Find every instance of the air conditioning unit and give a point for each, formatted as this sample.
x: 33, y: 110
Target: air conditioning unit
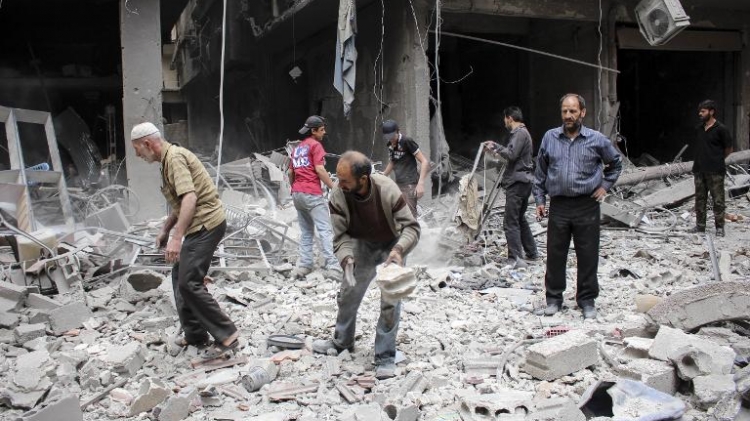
x: 660, y: 20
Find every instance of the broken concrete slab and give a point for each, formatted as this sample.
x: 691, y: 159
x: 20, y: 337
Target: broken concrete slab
x: 42, y: 302
x: 561, y: 355
x: 151, y: 393
x: 707, y: 303
x: 556, y: 409
x: 67, y: 408
x: 9, y: 320
x: 742, y: 380
x: 177, y: 407
x: 68, y: 317
x: 12, y: 296
x: 657, y: 374
x: 712, y: 388
x: 21, y: 399
x: 514, y: 402
x: 127, y: 359
x: 678, y: 192
x: 693, y: 355
x: 26, y: 332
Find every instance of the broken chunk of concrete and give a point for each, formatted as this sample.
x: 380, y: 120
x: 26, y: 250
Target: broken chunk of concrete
x: 514, y: 402
x: 12, y: 296
x: 742, y: 380
x: 556, y: 409
x: 693, y: 355
x: 126, y: 359
x: 145, y: 280
x: 24, y: 332
x: 19, y: 399
x: 707, y: 303
x: 177, y: 407
x: 561, y: 355
x: 9, y: 320
x: 42, y: 302
x: 151, y: 393
x: 710, y: 389
x: 654, y: 373
x: 68, y: 317
x: 67, y: 408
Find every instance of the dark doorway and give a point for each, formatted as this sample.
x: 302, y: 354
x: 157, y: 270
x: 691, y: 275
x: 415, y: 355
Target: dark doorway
x: 479, y: 80
x: 659, y: 92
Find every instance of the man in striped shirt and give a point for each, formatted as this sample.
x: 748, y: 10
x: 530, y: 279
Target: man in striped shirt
x: 576, y: 166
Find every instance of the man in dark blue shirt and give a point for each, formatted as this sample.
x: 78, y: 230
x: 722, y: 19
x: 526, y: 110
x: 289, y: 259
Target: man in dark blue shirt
x: 576, y: 166
x: 713, y: 145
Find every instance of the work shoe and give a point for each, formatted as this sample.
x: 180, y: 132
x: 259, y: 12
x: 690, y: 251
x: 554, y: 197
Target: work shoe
x: 385, y: 371
x: 720, y: 231
x: 328, y: 347
x: 552, y: 308
x: 334, y: 273
x: 697, y: 229
x: 301, y: 271
x: 589, y: 312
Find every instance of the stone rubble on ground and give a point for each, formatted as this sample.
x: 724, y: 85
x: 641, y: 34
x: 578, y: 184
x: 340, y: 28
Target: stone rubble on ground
x: 469, y: 341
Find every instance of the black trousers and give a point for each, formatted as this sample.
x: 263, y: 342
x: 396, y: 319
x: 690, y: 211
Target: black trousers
x: 199, y: 312
x: 576, y: 218
x: 517, y: 231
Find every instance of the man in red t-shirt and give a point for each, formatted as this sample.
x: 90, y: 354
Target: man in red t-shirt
x: 306, y: 172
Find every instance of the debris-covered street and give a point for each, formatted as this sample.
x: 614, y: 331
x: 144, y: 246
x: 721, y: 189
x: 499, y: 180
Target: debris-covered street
x: 471, y: 343
x: 360, y: 210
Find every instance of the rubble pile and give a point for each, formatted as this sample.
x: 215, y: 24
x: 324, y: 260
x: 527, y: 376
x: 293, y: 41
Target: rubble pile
x: 671, y: 339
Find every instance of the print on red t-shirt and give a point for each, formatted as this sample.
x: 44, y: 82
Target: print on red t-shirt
x: 305, y: 157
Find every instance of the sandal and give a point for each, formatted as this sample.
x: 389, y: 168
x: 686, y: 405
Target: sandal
x: 183, y: 343
x: 219, y: 350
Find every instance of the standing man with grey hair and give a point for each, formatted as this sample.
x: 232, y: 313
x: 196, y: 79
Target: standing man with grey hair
x: 306, y: 171
x: 372, y: 224
x: 713, y: 145
x: 517, y: 180
x: 576, y: 166
x: 197, y: 223
x: 403, y: 156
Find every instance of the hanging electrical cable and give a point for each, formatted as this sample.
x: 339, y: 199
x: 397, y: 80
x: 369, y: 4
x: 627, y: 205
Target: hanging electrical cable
x: 221, y: 91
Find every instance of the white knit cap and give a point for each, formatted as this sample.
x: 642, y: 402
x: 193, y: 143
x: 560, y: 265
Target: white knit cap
x: 142, y: 130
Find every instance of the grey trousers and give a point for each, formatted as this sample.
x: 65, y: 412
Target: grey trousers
x: 367, y: 255
x: 199, y: 312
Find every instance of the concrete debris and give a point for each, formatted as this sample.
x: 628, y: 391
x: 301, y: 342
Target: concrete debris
x: 69, y: 317
x: 561, y: 355
x: 694, y: 307
x: 513, y: 402
x: 67, y: 408
x: 152, y: 393
x: 692, y: 355
x: 470, y: 346
x: 630, y: 400
x: 177, y: 407
x: 709, y: 390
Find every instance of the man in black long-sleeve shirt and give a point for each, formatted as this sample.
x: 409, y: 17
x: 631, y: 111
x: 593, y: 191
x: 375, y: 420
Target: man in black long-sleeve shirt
x: 576, y: 166
x: 516, y: 181
x: 713, y: 145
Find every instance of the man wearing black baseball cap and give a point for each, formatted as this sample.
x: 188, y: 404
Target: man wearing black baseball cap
x: 404, y: 153
x: 306, y: 171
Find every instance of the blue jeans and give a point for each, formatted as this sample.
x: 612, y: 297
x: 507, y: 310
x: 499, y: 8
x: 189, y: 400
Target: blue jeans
x: 312, y: 214
x: 367, y: 255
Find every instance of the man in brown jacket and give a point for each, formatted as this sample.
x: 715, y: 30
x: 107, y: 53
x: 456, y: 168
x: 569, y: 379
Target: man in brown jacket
x: 372, y: 224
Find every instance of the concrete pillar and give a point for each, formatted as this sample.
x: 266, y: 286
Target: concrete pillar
x: 743, y: 111
x: 140, y: 38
